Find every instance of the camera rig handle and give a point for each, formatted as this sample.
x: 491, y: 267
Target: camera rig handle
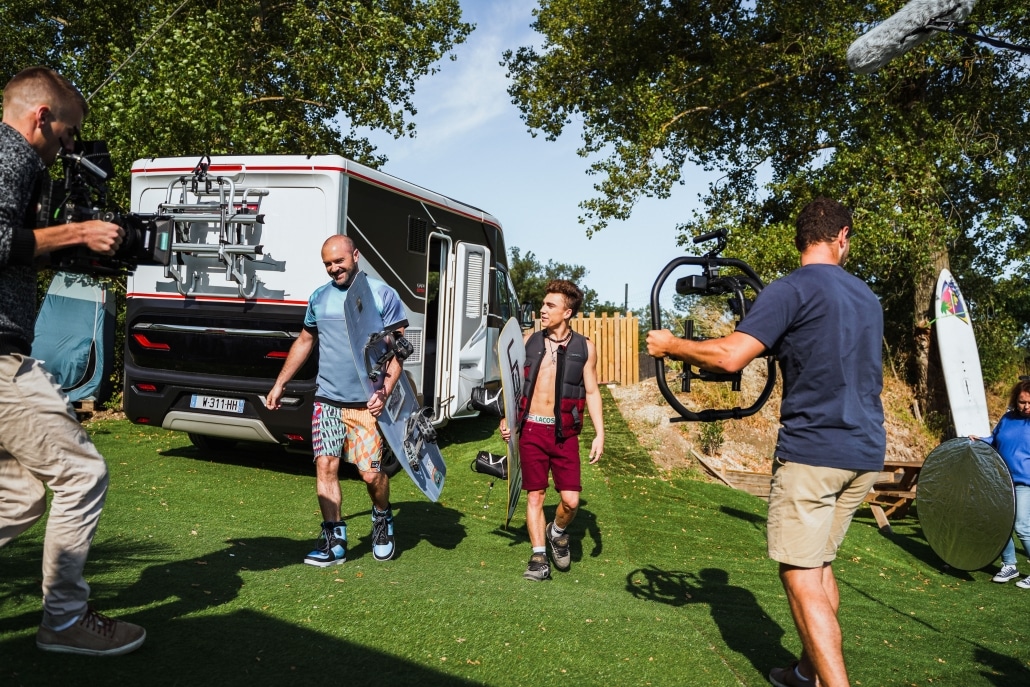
x: 711, y: 282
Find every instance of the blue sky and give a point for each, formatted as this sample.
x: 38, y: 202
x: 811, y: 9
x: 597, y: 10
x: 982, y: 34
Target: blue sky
x: 472, y: 146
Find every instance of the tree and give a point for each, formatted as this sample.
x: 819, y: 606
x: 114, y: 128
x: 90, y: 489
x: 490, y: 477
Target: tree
x: 929, y: 152
x: 244, y: 76
x: 195, y: 77
x: 530, y: 280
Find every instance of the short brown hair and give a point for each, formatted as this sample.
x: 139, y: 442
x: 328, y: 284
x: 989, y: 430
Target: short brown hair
x: 573, y: 296
x: 820, y: 221
x: 37, y: 85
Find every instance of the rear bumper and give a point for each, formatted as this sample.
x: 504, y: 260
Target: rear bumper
x: 169, y: 406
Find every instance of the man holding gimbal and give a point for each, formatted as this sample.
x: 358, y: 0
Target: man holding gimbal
x: 42, y: 444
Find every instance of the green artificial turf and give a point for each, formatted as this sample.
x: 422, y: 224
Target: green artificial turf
x: 669, y: 585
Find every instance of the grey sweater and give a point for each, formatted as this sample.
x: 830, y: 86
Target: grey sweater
x: 20, y: 171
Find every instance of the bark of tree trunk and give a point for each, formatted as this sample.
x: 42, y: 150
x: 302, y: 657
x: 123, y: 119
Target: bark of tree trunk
x: 929, y: 377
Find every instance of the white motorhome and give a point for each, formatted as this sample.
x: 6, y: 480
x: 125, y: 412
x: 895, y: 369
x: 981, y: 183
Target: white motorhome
x: 207, y: 335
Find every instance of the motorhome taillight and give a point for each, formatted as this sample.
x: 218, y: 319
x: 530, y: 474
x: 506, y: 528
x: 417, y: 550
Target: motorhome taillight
x: 143, y: 341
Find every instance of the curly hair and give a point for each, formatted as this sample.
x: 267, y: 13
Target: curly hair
x: 820, y: 221
x: 573, y: 296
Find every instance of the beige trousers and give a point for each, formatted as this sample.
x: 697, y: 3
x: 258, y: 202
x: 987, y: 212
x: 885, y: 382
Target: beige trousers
x: 43, y: 446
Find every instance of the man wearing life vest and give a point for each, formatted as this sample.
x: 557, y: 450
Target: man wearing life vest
x: 560, y: 379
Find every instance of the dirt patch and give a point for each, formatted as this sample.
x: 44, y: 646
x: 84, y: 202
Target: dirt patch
x: 748, y: 444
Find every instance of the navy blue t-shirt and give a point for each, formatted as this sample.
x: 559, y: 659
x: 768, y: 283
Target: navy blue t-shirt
x: 825, y: 328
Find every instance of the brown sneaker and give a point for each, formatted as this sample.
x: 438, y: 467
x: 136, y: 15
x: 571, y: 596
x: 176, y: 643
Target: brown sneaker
x: 93, y: 635
x: 786, y: 677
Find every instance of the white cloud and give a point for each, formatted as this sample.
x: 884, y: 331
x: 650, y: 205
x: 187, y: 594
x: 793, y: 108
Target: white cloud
x: 469, y: 95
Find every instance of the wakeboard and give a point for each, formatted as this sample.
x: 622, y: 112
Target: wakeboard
x: 511, y: 354
x: 404, y: 423
x: 960, y: 359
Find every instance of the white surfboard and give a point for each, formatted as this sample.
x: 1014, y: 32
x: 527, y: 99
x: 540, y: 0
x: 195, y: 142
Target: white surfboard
x: 960, y: 359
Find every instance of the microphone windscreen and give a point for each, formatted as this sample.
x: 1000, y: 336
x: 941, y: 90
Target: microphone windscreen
x: 902, y: 31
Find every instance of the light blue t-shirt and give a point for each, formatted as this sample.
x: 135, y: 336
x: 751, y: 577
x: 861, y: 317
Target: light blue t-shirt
x: 339, y: 377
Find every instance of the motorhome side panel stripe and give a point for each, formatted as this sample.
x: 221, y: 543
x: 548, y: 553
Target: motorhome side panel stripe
x: 210, y: 299
x: 479, y: 217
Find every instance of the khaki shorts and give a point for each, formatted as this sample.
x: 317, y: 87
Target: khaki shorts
x: 810, y: 509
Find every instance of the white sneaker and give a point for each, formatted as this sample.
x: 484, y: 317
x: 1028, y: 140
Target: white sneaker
x: 1007, y: 572
x: 1024, y: 583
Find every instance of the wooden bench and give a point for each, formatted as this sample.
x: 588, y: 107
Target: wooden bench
x: 891, y: 496
x: 894, y: 492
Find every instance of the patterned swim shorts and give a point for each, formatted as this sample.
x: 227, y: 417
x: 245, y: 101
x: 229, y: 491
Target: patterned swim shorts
x: 347, y: 433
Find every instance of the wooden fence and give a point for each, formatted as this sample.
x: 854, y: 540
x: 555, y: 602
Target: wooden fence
x: 615, y: 338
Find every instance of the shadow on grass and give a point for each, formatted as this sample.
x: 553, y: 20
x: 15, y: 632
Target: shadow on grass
x: 187, y: 641
x: 907, y: 535
x: 1001, y: 671
x: 276, y: 458
x: 245, y: 648
x: 250, y: 454
x: 756, y: 520
x: 476, y: 429
x: 744, y: 626
x: 214, y: 578
x: 583, y: 528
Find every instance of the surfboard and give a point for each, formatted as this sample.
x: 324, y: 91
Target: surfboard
x: 960, y: 359
x: 511, y: 354
x: 404, y: 423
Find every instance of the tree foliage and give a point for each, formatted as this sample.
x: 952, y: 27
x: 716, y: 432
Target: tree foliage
x: 243, y: 76
x: 530, y: 278
x: 194, y: 77
x: 930, y: 152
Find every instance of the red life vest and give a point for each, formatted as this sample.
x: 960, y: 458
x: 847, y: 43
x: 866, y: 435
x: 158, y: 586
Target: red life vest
x: 569, y: 391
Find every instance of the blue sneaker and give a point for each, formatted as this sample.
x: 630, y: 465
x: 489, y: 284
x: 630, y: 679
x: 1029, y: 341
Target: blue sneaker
x: 1007, y: 572
x: 331, y: 548
x: 383, y: 544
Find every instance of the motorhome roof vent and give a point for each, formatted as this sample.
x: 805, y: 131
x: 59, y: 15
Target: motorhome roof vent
x: 418, y: 234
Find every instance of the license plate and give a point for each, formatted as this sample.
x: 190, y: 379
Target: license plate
x: 229, y: 405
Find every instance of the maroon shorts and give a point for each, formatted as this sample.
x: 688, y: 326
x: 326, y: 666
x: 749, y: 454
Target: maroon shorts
x: 540, y: 453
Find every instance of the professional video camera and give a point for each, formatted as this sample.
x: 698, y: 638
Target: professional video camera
x: 82, y: 195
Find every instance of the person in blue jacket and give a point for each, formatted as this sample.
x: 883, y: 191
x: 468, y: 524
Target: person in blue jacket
x: 1011, y: 439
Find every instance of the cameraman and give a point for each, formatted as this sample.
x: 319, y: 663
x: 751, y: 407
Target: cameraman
x: 42, y: 444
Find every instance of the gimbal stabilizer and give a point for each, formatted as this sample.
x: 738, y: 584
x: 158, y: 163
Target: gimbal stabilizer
x: 711, y: 282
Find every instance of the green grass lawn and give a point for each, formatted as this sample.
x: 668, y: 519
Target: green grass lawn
x: 669, y: 585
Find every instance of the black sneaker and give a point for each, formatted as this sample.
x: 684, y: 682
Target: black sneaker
x: 331, y: 548
x: 538, y: 569
x: 383, y: 543
x: 559, y: 546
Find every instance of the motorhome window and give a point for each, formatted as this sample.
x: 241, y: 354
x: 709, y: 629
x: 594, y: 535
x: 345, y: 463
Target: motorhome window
x: 418, y: 234
x: 507, y: 301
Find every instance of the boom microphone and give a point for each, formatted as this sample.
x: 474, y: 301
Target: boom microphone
x: 903, y: 30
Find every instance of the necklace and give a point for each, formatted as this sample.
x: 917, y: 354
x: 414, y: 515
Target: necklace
x: 558, y: 343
